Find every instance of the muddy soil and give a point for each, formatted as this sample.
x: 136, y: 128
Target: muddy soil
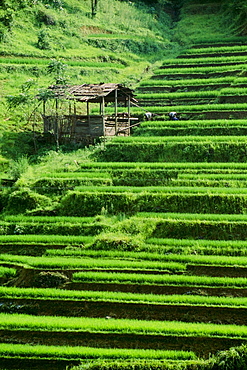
x: 123, y: 310
x: 202, y: 346
x: 158, y: 289
x: 27, y: 278
x: 36, y: 364
x: 219, y: 271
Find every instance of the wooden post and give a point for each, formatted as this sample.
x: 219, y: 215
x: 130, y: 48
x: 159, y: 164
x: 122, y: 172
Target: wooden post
x: 56, y: 128
x: 88, y: 115
x: 44, y: 119
x: 116, y: 122
x: 103, y: 115
x: 128, y: 131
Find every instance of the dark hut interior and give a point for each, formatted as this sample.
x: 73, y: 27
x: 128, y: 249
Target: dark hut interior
x: 70, y: 125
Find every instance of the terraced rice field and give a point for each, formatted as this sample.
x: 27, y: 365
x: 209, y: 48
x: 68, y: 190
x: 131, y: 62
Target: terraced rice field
x: 146, y: 259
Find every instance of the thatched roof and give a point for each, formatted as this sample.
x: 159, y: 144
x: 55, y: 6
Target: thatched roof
x: 92, y: 92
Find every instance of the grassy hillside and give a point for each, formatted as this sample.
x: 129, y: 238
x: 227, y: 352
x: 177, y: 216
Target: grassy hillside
x: 115, y: 45
x: 118, y: 43
x: 131, y: 254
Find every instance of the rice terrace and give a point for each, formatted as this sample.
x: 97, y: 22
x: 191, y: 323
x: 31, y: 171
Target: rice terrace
x: 123, y: 156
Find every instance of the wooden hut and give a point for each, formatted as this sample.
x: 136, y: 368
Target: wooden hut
x: 72, y: 126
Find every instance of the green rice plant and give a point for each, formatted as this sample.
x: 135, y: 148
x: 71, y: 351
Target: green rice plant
x: 164, y: 279
x: 200, y: 123
x: 199, y: 247
x: 105, y: 296
x: 172, y: 201
x: 233, y: 91
x: 175, y: 189
x: 221, y: 230
x: 6, y: 272
x: 188, y: 130
x: 75, y: 175
x: 47, y: 219
x: 90, y: 263
x: 179, y: 95
x: 192, y: 81
x: 239, y: 81
x: 92, y: 203
x: 217, y: 176
x: 210, y: 183
x: 234, y: 107
x: 59, y: 228
x: 157, y: 139
x: 44, y: 323
x: 193, y: 216
x: 45, y: 62
x: 205, y: 70
x: 217, y: 49
x: 175, y: 149
x: 156, y: 248
x: 60, y: 186
x: 45, y: 239
x: 20, y: 350
x: 213, y: 59
x: 167, y: 165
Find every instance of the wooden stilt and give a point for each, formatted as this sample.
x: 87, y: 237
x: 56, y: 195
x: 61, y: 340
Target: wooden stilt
x: 116, y: 121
